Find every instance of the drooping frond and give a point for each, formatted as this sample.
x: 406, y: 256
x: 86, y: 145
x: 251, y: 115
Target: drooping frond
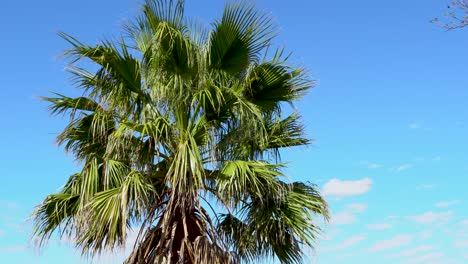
x: 288, y: 132
x: 111, y: 211
x: 276, y: 224
x: 239, y: 180
x: 87, y: 135
x: 63, y: 104
x: 56, y: 212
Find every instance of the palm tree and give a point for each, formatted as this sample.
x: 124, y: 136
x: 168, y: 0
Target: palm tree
x: 178, y: 132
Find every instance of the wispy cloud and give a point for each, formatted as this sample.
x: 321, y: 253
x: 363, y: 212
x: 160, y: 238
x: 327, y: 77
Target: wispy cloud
x: 394, y: 242
x: 431, y: 217
x: 382, y: 226
x: 446, y: 203
x: 348, y: 216
x: 414, y: 251
x: 339, y: 188
x: 357, y: 207
x: 343, y: 218
x: 349, y: 242
x: 331, y: 234
x: 424, y: 235
x: 427, y: 257
x: 370, y: 165
x: 461, y: 244
x: 403, y: 167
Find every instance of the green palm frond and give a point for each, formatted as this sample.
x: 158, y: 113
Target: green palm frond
x: 116, y: 61
x: 271, y: 83
x: 166, y: 11
x: 239, y: 37
x: 56, y: 212
x: 288, y: 132
x: 63, y: 104
x: 111, y: 211
x: 239, y: 180
x: 276, y: 224
x: 87, y: 135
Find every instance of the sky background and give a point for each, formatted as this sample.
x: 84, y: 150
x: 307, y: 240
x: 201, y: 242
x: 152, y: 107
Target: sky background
x: 389, y: 119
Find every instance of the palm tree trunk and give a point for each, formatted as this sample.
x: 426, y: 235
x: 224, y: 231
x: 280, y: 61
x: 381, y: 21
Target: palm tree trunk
x: 193, y: 231
x: 179, y: 225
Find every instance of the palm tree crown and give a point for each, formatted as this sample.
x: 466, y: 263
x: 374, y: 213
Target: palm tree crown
x: 179, y: 131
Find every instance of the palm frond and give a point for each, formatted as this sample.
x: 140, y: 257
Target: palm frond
x: 239, y: 37
x: 288, y: 132
x: 111, y: 211
x: 271, y: 83
x: 240, y: 180
x: 63, y: 104
x: 276, y: 224
x: 56, y: 212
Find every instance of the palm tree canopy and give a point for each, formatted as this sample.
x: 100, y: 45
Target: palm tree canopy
x: 179, y: 131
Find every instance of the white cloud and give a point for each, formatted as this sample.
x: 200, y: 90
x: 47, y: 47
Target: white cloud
x: 382, y: 226
x: 413, y: 251
x: 425, y: 235
x: 357, y: 207
x: 339, y: 188
x: 351, y: 241
x: 431, y: 217
x: 343, y: 218
x: 330, y: 234
x: 394, y: 242
x: 371, y: 165
x: 446, y: 203
x: 348, y: 215
x: 426, y: 257
x: 461, y: 243
x: 403, y: 167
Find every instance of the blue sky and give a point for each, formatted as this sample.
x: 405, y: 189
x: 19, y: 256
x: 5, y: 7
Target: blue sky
x: 388, y: 115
